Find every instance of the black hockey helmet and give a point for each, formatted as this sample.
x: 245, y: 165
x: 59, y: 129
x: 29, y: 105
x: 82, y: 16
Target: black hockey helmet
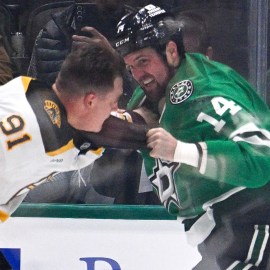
x: 146, y: 28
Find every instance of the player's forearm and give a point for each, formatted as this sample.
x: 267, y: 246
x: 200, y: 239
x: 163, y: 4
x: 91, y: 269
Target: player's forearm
x: 220, y: 160
x: 234, y: 163
x: 116, y: 133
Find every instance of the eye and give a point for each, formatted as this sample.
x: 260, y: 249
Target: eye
x: 142, y: 62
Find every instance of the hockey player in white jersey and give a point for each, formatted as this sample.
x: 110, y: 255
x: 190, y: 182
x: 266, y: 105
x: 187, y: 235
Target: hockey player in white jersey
x: 39, y: 128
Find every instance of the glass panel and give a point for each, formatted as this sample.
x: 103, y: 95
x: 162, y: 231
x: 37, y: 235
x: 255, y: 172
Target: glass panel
x: 238, y: 37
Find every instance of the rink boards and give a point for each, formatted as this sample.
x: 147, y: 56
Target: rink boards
x: 73, y: 237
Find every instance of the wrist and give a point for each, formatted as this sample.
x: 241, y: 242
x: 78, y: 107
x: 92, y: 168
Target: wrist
x: 186, y: 153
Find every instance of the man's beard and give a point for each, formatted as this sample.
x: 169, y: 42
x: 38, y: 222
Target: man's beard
x: 159, y: 92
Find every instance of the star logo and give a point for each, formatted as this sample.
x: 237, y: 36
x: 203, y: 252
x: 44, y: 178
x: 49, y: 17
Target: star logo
x: 163, y: 182
x: 181, y: 91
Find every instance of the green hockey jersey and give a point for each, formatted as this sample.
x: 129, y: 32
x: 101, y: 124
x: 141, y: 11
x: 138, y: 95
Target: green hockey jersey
x: 209, y: 104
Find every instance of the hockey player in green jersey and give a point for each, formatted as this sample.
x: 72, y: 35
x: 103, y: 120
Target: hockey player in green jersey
x: 209, y: 157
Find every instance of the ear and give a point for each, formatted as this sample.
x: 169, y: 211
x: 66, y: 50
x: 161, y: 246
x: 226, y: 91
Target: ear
x: 90, y: 100
x: 209, y: 52
x: 172, y: 54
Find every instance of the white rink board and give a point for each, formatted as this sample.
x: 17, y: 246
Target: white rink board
x: 59, y: 243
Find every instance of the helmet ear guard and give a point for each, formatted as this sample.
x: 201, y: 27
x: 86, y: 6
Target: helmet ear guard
x: 146, y: 28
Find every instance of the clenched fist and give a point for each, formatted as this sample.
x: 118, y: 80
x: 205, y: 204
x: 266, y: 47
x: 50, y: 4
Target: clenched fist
x: 162, y: 143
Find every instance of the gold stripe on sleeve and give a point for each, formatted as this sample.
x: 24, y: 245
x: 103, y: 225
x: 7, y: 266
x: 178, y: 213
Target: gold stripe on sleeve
x: 3, y: 216
x: 26, y: 81
x: 62, y: 149
x: 70, y: 145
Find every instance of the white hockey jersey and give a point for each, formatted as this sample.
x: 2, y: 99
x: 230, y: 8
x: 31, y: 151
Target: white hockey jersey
x: 35, y: 140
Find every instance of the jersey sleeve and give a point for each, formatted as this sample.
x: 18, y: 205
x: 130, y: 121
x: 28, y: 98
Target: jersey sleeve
x: 234, y: 143
x: 123, y: 131
x: 7, y: 209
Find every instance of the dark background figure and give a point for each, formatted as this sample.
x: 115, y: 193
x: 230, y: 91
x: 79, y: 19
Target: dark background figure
x: 6, y: 72
x: 54, y: 41
x: 196, y: 36
x: 8, y: 68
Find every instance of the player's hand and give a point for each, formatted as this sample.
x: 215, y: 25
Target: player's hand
x: 96, y: 36
x: 162, y: 143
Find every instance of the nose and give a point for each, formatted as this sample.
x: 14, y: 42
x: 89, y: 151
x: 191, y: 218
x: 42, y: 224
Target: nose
x: 137, y: 73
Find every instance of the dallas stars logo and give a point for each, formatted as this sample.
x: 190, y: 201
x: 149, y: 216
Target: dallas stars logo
x: 162, y: 180
x: 181, y: 91
x: 53, y: 111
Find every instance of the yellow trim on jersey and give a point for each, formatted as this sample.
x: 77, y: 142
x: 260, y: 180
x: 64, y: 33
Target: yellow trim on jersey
x: 26, y: 81
x: 98, y: 151
x: 62, y: 149
x: 3, y: 216
x: 70, y: 145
